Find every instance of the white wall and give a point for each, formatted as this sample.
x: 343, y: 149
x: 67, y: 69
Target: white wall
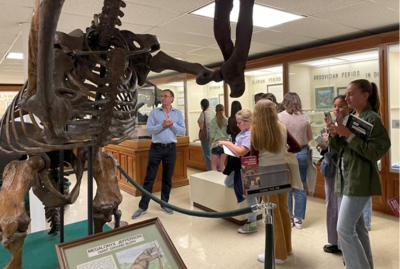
x: 305, y: 79
x: 299, y: 82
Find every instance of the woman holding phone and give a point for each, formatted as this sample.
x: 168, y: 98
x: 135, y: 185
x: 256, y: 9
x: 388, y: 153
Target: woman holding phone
x: 358, y: 175
x: 341, y: 110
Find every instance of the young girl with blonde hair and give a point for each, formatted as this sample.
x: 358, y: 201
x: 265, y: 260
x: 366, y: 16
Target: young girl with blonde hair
x: 232, y: 170
x: 270, y: 138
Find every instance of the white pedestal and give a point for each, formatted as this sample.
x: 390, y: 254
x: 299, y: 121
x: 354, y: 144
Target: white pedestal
x: 209, y: 193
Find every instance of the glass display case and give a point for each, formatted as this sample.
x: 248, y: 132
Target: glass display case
x: 5, y: 100
x: 261, y: 80
x: 213, y: 91
x: 394, y: 106
x: 319, y: 81
x: 149, y: 98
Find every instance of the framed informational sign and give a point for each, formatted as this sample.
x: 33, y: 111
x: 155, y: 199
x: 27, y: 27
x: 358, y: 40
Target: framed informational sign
x: 213, y: 102
x: 341, y: 90
x: 144, y: 244
x: 324, y: 97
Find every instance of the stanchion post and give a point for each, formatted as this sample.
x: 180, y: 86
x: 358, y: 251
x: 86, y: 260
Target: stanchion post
x: 269, y: 255
x: 90, y: 191
x: 61, y: 182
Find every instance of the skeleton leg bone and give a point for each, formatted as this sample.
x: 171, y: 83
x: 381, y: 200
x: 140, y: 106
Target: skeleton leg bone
x: 233, y: 68
x: 108, y: 196
x: 14, y: 221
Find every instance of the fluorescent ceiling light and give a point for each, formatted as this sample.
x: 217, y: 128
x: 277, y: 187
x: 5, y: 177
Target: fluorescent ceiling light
x: 276, y: 69
x: 175, y: 84
x: 324, y: 62
x: 264, y: 71
x: 257, y: 73
x: 394, y: 48
x: 263, y: 16
x: 361, y: 56
x: 15, y: 55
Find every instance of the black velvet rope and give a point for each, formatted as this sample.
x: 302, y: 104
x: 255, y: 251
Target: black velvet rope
x: 226, y: 214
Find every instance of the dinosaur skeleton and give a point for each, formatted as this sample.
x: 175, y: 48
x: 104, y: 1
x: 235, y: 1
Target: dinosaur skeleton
x: 82, y: 91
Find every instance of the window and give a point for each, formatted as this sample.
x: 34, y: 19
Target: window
x: 212, y: 91
x: 260, y: 81
x: 149, y: 98
x: 394, y: 115
x: 319, y: 81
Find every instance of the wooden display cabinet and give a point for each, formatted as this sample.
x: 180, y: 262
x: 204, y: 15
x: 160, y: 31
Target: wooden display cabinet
x: 132, y: 156
x: 196, y: 157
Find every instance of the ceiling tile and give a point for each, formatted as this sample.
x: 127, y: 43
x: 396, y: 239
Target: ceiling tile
x: 177, y: 5
x: 7, y: 39
x: 280, y: 39
x: 308, y: 7
x: 83, y: 8
x: 17, y: 14
x: 191, y: 24
x: 23, y: 3
x: 393, y: 4
x: 177, y: 48
x: 373, y: 16
x: 165, y: 35
x: 70, y: 22
x: 148, y: 16
x: 210, y: 52
x: 314, y: 28
x: 9, y: 28
x: 260, y: 48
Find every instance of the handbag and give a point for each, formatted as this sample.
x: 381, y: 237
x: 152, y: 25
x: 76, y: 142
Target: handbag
x: 203, y: 132
x: 294, y: 171
x: 328, y: 165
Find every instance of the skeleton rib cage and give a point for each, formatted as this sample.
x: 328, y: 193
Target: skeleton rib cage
x: 91, y: 99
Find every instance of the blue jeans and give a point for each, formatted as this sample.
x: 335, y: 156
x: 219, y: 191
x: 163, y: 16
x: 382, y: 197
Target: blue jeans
x: 367, y: 213
x: 353, y: 235
x: 300, y: 196
x: 205, y: 146
x: 251, y: 217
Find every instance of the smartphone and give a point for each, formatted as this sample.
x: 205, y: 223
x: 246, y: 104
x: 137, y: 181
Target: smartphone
x: 328, y: 116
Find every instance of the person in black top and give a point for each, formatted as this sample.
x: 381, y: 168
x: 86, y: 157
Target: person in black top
x: 232, y: 128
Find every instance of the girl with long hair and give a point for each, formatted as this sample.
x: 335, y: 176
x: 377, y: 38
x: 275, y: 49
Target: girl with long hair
x: 270, y: 138
x: 298, y: 124
x: 233, y: 169
x: 233, y: 129
x: 358, y: 175
x: 341, y: 110
x: 205, y: 117
x: 218, y: 133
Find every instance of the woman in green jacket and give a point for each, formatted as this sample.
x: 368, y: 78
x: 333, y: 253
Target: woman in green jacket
x: 358, y: 176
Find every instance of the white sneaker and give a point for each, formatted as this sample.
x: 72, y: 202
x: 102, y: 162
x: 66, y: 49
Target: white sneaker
x: 261, y: 258
x: 297, y: 223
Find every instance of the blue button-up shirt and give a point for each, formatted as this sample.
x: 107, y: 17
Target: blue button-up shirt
x: 162, y: 134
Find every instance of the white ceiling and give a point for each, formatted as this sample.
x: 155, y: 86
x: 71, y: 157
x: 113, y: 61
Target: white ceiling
x: 190, y: 37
